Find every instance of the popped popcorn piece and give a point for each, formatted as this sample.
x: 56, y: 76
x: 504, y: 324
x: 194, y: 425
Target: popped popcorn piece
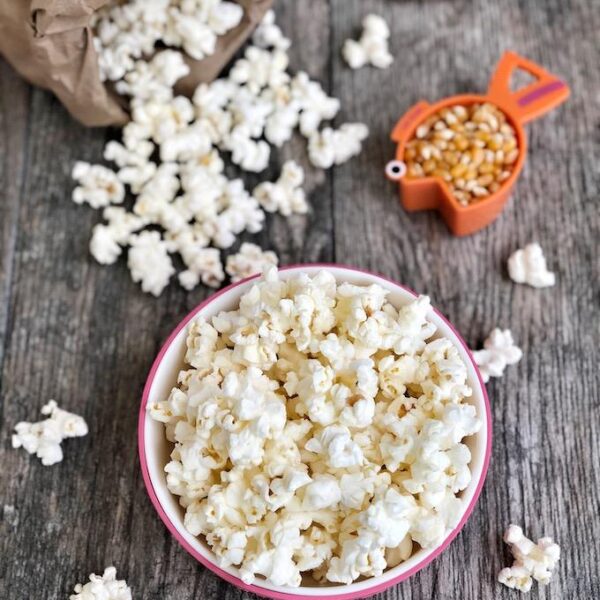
x: 286, y: 195
x: 334, y: 147
x: 129, y: 156
x: 532, y: 561
x: 315, y: 104
x: 269, y: 35
x: 149, y: 261
x: 44, y: 437
x: 529, y: 266
x: 206, y: 266
x: 98, y: 186
x: 372, y: 47
x: 251, y: 259
x: 246, y: 152
x: 287, y: 454
x: 102, y: 587
x: 261, y: 68
x: 499, y: 351
x: 106, y: 242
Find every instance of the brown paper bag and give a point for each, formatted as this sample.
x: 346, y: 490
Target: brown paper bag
x: 49, y: 43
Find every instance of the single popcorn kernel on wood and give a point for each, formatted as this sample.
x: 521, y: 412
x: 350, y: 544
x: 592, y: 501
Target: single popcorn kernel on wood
x: 461, y: 144
x: 318, y: 429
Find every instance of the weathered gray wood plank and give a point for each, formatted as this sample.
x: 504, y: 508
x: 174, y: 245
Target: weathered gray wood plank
x: 86, y: 335
x: 14, y: 95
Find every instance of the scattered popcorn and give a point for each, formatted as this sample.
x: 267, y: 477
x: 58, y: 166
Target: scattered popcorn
x: 532, y: 561
x: 149, y: 261
x: 106, y: 242
x: 44, y: 437
x: 170, y: 156
x: 98, y: 186
x: 529, y: 266
x: 372, y: 47
x: 269, y: 35
x: 334, y: 147
x: 251, y: 259
x: 206, y: 266
x: 315, y: 105
x: 318, y: 429
x: 499, y: 351
x: 105, y: 587
x: 286, y: 195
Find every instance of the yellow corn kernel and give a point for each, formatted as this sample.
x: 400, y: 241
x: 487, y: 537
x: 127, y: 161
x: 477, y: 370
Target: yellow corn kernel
x: 410, y: 153
x: 414, y: 170
x: 445, y: 175
x: 477, y: 156
x: 460, y: 112
x: 429, y: 166
x: 496, y: 142
x: 458, y: 170
x: 485, y: 180
x: 479, y: 191
x: 461, y: 142
x: 451, y: 158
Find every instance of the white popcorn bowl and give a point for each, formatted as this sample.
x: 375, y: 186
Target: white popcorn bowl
x: 154, y: 448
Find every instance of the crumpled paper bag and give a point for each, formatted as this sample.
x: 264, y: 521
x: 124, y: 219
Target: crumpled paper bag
x: 49, y: 42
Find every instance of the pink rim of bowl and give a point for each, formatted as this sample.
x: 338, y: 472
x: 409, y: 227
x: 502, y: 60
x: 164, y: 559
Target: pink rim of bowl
x: 160, y: 496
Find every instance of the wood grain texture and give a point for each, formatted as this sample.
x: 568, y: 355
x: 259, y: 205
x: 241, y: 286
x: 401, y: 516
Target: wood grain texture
x: 85, y: 335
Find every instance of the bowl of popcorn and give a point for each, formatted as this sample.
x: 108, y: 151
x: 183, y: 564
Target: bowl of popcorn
x: 462, y: 155
x: 315, y: 431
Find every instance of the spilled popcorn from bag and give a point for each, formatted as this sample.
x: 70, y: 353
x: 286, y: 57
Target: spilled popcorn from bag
x: 171, y: 155
x: 318, y: 430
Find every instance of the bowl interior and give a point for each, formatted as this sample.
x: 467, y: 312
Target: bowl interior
x: 155, y: 449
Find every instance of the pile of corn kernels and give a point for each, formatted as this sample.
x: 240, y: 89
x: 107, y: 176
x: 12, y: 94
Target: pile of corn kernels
x: 472, y: 148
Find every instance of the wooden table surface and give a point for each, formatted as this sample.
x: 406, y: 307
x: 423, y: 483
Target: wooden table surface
x: 85, y: 335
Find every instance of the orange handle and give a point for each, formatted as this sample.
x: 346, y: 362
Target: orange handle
x: 410, y: 118
x: 532, y: 101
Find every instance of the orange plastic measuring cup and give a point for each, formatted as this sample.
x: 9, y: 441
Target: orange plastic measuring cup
x: 520, y: 107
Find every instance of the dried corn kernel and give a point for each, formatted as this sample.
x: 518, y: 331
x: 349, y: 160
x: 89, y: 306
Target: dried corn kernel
x: 472, y: 148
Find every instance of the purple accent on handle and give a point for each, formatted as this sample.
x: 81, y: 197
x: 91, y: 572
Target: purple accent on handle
x: 543, y: 91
